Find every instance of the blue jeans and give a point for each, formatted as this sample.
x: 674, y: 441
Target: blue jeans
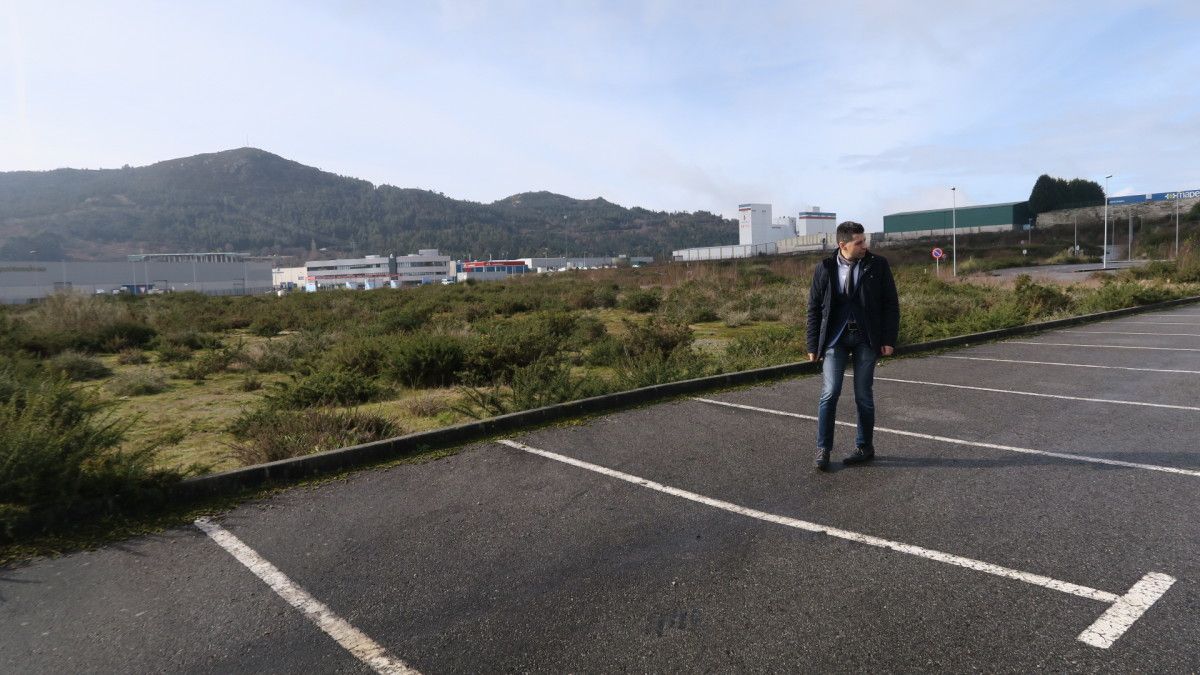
x: 834, y: 371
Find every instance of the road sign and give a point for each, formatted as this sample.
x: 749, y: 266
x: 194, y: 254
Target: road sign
x: 938, y: 253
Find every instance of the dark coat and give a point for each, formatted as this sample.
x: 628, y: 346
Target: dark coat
x: 876, y: 291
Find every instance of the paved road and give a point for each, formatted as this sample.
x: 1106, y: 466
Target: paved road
x: 1073, y: 272
x: 1051, y: 491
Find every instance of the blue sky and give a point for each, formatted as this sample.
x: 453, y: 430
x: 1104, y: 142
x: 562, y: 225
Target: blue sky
x: 864, y: 108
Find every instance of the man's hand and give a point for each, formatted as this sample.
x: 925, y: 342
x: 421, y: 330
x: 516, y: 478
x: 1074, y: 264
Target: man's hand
x: 812, y: 357
x: 886, y: 350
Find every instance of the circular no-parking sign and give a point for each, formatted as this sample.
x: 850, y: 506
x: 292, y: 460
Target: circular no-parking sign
x: 938, y: 253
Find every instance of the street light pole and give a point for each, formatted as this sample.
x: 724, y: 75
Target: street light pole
x: 954, y: 230
x: 1176, y: 225
x: 1129, y: 245
x: 1104, y: 252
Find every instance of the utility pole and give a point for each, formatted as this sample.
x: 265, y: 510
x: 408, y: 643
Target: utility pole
x: 1104, y: 251
x: 954, y: 230
x: 1176, y: 225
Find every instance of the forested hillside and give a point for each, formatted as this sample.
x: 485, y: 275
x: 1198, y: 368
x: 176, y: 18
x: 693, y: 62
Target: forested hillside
x: 251, y: 200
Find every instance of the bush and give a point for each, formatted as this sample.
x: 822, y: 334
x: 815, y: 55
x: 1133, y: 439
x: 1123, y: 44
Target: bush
x: 251, y: 383
x: 59, y: 461
x: 773, y: 346
x: 504, y: 345
x: 167, y: 353
x: 1038, y: 300
x: 650, y: 368
x: 545, y: 382
x: 405, y: 319
x: 366, y: 356
x: 74, y: 321
x: 213, y: 361
x: 326, y: 387
x: 268, y: 434
x: 266, y: 327
x: 139, y: 383
x: 641, y: 300
x: 78, y: 367
x: 426, y: 360
x: 657, y: 337
x: 691, y: 302
x: 1120, y: 294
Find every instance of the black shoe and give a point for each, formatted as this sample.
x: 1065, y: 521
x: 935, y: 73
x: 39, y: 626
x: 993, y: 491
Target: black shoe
x: 863, y: 453
x: 822, y: 459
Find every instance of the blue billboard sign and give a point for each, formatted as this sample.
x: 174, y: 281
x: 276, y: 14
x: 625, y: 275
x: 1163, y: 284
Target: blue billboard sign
x: 1154, y: 197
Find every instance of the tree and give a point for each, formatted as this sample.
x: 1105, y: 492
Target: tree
x: 1056, y: 193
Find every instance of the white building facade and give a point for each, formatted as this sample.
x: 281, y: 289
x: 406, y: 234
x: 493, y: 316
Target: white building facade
x: 427, y: 266
x: 816, y: 221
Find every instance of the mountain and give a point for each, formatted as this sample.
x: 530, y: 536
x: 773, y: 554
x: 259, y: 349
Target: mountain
x: 251, y: 200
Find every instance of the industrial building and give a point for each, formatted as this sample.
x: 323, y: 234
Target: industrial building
x: 208, y: 273
x: 427, y: 266
x: 966, y: 219
x: 760, y: 234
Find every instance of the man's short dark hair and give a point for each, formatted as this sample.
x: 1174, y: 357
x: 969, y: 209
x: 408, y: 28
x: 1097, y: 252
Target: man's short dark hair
x: 847, y: 230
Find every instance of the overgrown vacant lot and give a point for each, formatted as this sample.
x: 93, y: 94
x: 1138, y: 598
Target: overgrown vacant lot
x: 105, y: 398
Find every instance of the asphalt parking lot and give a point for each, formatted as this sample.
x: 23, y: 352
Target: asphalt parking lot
x: 1033, y: 505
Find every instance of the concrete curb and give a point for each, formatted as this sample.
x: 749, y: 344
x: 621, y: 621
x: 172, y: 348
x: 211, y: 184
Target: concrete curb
x: 333, y: 461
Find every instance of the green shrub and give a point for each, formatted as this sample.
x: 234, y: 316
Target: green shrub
x: 773, y: 346
x: 17, y: 373
x: 545, y: 382
x: 168, y: 353
x: 604, y: 296
x: 1120, y: 294
x: 326, y: 387
x: 267, y: 434
x: 655, y: 336
x: 59, y: 461
x: 405, y: 319
x: 266, y: 326
x: 606, y: 351
x: 641, y: 300
x: 251, y: 382
x: 426, y: 360
x: 365, y: 355
x: 650, y: 368
x: 138, y: 383
x: 504, y: 345
x: 1039, y: 300
x: 73, y: 321
x: 214, y: 361
x: 78, y: 367
x: 691, y: 302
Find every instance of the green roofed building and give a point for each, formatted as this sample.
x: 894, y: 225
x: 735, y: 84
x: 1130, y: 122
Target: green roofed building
x: 969, y: 220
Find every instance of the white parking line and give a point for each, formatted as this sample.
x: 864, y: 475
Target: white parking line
x: 1117, y: 332
x: 362, y: 647
x: 1064, y: 344
x: 961, y: 441
x: 1073, y: 365
x: 1125, y: 610
x: 1032, y: 393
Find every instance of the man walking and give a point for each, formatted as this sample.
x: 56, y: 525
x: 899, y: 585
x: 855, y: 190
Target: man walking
x: 853, y: 312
